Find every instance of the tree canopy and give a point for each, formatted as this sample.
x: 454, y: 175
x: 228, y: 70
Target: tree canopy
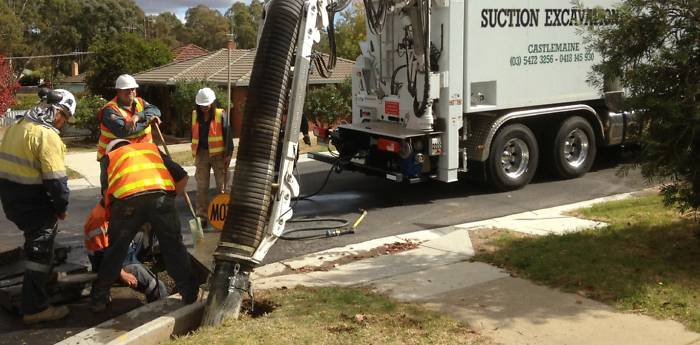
x: 125, y: 53
x: 653, y: 49
x: 207, y: 28
x: 246, y: 22
x: 45, y: 27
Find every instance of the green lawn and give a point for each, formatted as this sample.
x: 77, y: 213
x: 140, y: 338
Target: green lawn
x: 645, y: 262
x: 334, y: 316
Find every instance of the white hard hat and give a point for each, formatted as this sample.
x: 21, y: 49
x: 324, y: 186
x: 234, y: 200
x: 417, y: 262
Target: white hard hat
x: 205, y: 96
x: 67, y: 102
x: 126, y: 81
x: 114, y: 143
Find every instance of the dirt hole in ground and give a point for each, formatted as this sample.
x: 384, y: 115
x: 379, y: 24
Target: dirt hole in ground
x: 261, y: 308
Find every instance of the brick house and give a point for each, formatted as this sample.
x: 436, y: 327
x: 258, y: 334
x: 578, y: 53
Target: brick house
x: 158, y: 83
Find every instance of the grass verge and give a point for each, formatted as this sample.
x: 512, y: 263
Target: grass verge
x: 72, y: 174
x: 183, y: 158
x: 645, y: 261
x: 306, y: 315
x: 81, y: 145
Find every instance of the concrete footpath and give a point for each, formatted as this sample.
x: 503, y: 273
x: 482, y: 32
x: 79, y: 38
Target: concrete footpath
x: 437, y: 274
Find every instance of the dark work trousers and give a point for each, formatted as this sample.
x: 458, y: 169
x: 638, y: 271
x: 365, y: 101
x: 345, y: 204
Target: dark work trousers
x: 127, y: 217
x: 38, y: 248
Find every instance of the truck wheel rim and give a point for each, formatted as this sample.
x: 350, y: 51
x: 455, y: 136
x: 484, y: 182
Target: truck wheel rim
x: 576, y: 148
x: 515, y: 159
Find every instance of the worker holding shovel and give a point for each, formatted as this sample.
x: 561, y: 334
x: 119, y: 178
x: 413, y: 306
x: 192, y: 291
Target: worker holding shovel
x: 139, y: 185
x: 212, y: 148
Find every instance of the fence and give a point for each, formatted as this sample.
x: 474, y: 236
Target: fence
x: 68, y: 130
x: 10, y: 117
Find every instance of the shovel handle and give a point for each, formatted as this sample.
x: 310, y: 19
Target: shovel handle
x: 167, y: 152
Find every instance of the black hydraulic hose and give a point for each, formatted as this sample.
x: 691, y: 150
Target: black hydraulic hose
x: 248, y: 207
x: 393, y: 79
x: 318, y: 231
x: 419, y: 109
x: 335, y: 164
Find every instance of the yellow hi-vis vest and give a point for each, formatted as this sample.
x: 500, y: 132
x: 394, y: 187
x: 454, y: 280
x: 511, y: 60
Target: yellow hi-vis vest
x: 30, y: 153
x: 106, y: 136
x: 216, y: 136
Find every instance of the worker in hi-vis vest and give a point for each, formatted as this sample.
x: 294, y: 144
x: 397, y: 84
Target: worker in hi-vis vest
x: 126, y: 116
x: 34, y: 193
x: 134, y: 274
x: 210, y: 130
x: 139, y: 185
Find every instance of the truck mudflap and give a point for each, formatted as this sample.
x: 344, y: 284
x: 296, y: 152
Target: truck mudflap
x: 358, y: 166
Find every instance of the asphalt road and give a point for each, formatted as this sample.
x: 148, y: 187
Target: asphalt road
x: 392, y: 209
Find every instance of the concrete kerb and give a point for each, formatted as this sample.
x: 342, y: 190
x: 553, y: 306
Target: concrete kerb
x: 418, y: 274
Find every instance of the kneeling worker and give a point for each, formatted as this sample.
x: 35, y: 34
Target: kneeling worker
x: 134, y: 274
x: 139, y: 185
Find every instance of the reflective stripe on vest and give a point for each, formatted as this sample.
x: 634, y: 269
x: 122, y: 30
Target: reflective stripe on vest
x: 95, y: 230
x: 136, y: 168
x: 106, y: 136
x: 216, y: 136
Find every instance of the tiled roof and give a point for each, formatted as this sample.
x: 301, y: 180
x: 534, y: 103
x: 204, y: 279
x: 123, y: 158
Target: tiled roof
x: 189, y: 51
x: 76, y: 79
x: 213, y: 66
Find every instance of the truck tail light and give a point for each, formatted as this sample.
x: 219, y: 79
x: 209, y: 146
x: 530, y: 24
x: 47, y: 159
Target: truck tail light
x: 323, y: 136
x: 320, y: 132
x: 388, y: 145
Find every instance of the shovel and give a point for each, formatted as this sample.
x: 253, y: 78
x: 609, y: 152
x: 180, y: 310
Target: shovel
x: 195, y: 224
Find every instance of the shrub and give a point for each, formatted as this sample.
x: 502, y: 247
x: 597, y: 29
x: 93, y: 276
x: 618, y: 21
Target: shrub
x: 86, y: 114
x: 326, y: 105
x: 186, y: 91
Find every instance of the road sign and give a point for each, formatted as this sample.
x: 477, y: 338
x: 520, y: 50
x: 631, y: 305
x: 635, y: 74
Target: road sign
x: 218, y: 209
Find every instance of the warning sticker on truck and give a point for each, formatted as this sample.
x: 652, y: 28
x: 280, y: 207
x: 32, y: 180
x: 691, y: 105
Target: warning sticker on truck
x: 391, y: 108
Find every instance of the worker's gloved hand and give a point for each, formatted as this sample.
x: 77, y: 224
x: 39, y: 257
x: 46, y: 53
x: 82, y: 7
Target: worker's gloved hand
x: 307, y: 140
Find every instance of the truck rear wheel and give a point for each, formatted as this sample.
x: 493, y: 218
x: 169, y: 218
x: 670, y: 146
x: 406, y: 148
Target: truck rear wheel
x: 572, y: 149
x: 513, y: 158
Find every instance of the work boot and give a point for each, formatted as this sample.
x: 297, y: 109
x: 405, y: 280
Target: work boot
x: 50, y: 314
x: 100, y: 297
x: 193, y: 298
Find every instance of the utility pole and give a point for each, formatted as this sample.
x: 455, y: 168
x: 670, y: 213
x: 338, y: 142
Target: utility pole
x: 228, y: 108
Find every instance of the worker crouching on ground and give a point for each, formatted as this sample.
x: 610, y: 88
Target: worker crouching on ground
x: 212, y: 148
x: 34, y: 194
x: 126, y: 116
x: 133, y: 273
x: 139, y: 185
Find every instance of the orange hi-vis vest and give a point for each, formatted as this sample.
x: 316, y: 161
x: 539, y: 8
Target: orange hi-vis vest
x: 95, y: 230
x: 216, y: 134
x: 136, y: 168
x: 106, y: 136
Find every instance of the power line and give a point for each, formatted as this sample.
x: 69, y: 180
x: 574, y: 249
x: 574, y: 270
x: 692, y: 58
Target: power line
x: 46, y: 56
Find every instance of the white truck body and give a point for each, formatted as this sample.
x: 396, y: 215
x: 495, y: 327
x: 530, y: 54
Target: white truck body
x: 499, y: 63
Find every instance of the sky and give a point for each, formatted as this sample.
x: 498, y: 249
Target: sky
x: 179, y: 7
